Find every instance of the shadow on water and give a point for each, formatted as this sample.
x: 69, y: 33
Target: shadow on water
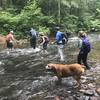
x: 23, y: 75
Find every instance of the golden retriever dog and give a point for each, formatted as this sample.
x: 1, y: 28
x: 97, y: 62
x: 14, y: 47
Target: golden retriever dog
x: 64, y: 70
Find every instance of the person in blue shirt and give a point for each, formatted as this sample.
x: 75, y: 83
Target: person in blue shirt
x: 84, y: 49
x: 60, y: 45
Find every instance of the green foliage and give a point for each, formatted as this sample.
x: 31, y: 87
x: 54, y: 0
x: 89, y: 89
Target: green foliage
x: 45, y: 30
x: 6, y: 22
x: 30, y: 16
x: 95, y: 23
x: 70, y: 23
x: 74, y: 15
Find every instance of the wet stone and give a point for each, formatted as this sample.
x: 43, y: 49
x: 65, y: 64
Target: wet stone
x: 91, y: 78
x: 82, y: 98
x: 87, y: 92
x: 4, y: 98
x: 49, y: 97
x: 91, y: 86
x: 27, y: 93
x: 95, y: 98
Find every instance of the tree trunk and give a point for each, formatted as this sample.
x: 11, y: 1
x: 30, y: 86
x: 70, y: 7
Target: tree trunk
x: 59, y: 11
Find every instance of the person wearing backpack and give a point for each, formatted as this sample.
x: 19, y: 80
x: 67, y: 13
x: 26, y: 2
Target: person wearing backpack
x: 33, y: 38
x: 85, y: 48
x: 44, y: 42
x: 60, y: 44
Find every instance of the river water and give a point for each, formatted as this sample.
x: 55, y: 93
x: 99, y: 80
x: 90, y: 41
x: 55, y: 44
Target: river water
x: 23, y: 75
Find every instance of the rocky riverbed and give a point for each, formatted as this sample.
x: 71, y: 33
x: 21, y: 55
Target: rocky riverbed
x: 23, y: 75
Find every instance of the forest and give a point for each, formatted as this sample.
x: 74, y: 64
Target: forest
x: 24, y: 69
x: 44, y: 15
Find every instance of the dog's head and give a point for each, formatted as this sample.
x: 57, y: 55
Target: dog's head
x: 50, y: 67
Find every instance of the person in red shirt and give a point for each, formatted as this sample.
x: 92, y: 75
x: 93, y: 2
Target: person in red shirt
x: 10, y: 40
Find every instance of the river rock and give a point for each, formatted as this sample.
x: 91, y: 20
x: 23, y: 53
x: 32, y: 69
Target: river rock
x: 87, y: 92
x: 91, y: 86
x: 94, y: 98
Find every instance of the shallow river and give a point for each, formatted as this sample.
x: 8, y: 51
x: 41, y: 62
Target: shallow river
x: 23, y: 75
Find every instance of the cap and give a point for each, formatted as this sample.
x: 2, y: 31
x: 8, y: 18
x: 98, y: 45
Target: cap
x: 11, y: 32
x: 41, y: 33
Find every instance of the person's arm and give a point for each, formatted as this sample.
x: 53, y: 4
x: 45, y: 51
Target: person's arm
x: 79, y: 43
x: 56, y: 39
x: 12, y: 37
x: 43, y: 40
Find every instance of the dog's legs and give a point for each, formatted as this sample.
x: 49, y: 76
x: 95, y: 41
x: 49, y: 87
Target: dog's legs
x: 59, y: 74
x: 58, y: 82
x: 59, y: 79
x: 77, y: 78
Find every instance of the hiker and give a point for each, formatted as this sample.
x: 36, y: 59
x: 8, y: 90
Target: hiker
x: 33, y: 38
x: 10, y: 40
x: 60, y: 45
x: 85, y: 48
x: 44, y: 42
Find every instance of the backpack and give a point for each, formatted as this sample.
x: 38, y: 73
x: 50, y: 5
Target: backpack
x: 46, y: 39
x: 64, y: 39
x: 87, y: 46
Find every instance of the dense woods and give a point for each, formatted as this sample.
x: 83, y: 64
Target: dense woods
x: 43, y: 15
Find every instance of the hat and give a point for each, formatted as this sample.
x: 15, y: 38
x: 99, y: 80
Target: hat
x: 11, y: 32
x: 57, y: 28
x: 41, y: 33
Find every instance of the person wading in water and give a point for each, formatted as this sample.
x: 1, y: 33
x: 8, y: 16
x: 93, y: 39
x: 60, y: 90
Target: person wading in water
x: 85, y: 48
x: 44, y: 42
x: 60, y: 45
x: 33, y: 38
x: 10, y: 40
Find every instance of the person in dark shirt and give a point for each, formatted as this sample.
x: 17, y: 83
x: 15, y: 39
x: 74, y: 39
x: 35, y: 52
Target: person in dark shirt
x: 44, y: 42
x: 33, y: 38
